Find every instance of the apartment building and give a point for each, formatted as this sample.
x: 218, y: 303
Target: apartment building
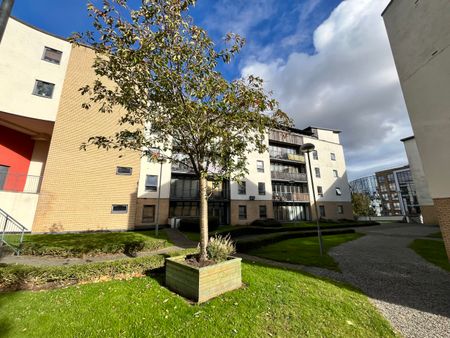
x: 49, y: 185
x: 419, y: 34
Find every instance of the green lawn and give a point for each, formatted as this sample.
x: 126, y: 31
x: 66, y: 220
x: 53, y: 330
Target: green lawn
x: 432, y: 251
x: 274, y: 303
x: 305, y: 251
x: 66, y: 245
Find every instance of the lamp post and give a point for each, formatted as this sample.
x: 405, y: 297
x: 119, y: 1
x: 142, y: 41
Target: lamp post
x: 5, y: 13
x: 307, y: 148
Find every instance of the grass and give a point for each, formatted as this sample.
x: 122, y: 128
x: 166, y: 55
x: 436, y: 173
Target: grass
x: 436, y: 235
x: 432, y: 251
x: 75, y: 245
x: 275, y: 302
x: 305, y: 251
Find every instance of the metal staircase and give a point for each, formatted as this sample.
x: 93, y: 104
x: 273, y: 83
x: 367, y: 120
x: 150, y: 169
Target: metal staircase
x: 11, y: 232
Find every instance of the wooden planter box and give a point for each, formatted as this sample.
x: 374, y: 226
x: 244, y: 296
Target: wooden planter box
x: 201, y: 284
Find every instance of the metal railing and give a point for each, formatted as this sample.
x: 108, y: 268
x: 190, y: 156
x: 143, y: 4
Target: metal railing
x: 285, y: 136
x: 286, y: 156
x: 20, y: 183
x: 296, y: 177
x: 11, y: 233
x: 290, y: 196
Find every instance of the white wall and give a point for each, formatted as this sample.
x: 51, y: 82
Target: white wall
x: 21, y: 65
x: 419, y: 33
x: 20, y: 206
x: 418, y: 175
x: 153, y: 168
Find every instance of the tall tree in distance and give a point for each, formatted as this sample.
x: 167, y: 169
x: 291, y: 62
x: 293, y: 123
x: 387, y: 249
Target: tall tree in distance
x: 166, y: 80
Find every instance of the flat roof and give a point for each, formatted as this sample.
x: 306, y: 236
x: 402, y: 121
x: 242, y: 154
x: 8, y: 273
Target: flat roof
x: 337, y: 131
x: 37, y: 28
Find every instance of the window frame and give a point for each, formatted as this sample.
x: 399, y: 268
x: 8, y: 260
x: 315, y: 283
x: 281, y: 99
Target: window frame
x: 338, y: 191
x: 261, y: 192
x: 335, y: 173
x: 242, y: 188
x: 333, y: 156
x: 340, y: 209
x: 242, y: 216
x: 154, y: 213
x: 35, y: 89
x: 118, y: 168
x: 119, y: 211
x: 319, y: 191
x: 258, y: 168
x: 55, y: 62
x: 322, y: 212
x: 315, y: 154
x: 155, y: 186
x: 317, y: 172
x: 263, y: 207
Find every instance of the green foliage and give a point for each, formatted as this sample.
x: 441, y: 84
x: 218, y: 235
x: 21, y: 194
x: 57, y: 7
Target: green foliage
x: 76, y: 245
x: 305, y: 251
x: 219, y: 248
x: 192, y: 224
x: 362, y: 205
x: 433, y: 251
x: 21, y: 277
x: 268, y: 222
x: 275, y: 302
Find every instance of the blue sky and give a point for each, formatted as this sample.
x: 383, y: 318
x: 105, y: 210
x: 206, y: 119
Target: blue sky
x: 328, y: 62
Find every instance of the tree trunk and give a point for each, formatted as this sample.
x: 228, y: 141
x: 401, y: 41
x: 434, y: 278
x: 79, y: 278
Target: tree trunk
x: 203, y: 218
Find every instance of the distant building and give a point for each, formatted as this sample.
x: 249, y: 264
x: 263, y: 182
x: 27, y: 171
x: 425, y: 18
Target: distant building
x: 369, y: 187
x: 419, y: 34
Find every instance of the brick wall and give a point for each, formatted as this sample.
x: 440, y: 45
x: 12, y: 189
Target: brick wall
x: 331, y: 210
x: 79, y: 187
x: 442, y: 206
x: 252, y: 211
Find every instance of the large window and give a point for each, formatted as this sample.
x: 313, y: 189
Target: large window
x: 242, y: 212
x: 281, y: 152
x: 260, y: 166
x: 262, y: 211
x: 44, y: 89
x: 124, y: 170
x: 242, y: 188
x: 151, y: 183
x: 286, y: 168
x: 148, y: 214
x: 52, y: 55
x: 119, y: 208
x: 261, y: 188
x: 317, y: 171
x: 181, y: 208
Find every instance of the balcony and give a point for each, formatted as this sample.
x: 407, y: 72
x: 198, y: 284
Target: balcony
x: 296, y: 177
x: 287, y: 157
x: 20, y: 183
x: 290, y: 196
x: 285, y: 137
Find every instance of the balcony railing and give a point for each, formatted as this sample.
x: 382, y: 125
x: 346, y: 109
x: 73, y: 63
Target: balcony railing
x: 285, y: 156
x: 296, y: 177
x: 20, y: 183
x: 290, y: 196
x: 285, y: 137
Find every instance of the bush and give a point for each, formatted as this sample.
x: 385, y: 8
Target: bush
x: 219, y: 248
x: 192, y: 224
x: 26, y: 277
x: 267, y: 222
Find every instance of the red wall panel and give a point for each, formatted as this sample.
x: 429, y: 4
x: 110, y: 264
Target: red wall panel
x: 15, y: 152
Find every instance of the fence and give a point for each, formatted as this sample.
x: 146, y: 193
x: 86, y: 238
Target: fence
x: 20, y: 183
x: 11, y: 233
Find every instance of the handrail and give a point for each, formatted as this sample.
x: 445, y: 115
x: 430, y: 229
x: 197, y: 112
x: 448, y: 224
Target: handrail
x: 18, y: 182
x: 11, y: 231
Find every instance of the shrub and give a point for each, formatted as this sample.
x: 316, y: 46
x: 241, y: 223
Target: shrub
x: 268, y: 222
x: 192, y: 224
x: 219, y: 248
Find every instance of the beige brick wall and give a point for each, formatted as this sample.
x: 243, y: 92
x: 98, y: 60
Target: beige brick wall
x: 429, y: 214
x: 163, y: 210
x: 79, y: 187
x: 252, y: 211
x: 331, y: 210
x: 442, y: 206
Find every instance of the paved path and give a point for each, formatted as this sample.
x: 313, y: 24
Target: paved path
x: 412, y: 294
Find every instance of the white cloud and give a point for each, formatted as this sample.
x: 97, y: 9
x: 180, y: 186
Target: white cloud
x: 350, y: 84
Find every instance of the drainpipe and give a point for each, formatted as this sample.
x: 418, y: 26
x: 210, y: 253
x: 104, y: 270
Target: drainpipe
x: 5, y: 13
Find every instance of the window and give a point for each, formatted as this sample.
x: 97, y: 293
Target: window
x: 242, y: 212
x: 44, y: 89
x: 261, y: 188
x: 340, y: 209
x: 262, y: 211
x: 242, y: 188
x: 260, y: 166
x: 333, y: 156
x: 52, y: 55
x: 151, y: 183
x: 319, y: 191
x: 396, y: 205
x: 148, y: 214
x: 335, y: 173
x: 392, y: 187
x: 317, y: 170
x: 124, y: 171
x: 3, y: 174
x: 119, y: 208
x: 322, y: 211
x: 315, y: 155
x: 338, y: 191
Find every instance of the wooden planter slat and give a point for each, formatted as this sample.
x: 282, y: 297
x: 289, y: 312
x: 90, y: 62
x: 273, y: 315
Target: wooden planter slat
x: 202, y: 284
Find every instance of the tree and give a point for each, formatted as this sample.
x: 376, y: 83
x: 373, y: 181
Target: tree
x: 361, y: 205
x: 165, y: 73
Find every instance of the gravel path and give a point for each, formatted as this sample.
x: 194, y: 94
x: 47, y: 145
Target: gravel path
x: 412, y: 294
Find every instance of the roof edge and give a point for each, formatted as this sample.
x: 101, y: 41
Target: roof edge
x: 38, y: 29
x: 387, y: 7
x: 407, y: 138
